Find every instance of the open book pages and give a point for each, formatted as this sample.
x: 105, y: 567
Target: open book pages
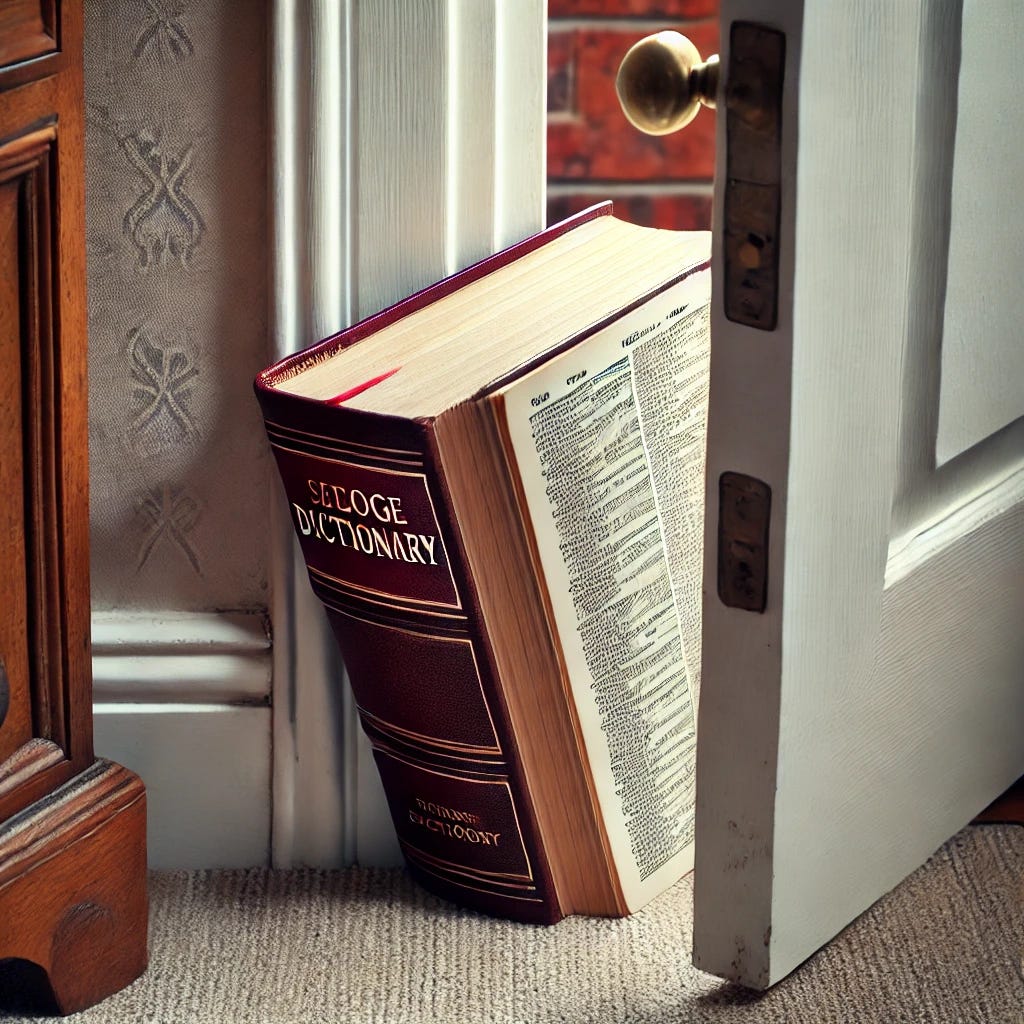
x: 524, y: 648
x: 427, y: 361
x: 607, y: 440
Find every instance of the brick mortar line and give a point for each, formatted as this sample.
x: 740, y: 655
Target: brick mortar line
x: 699, y: 188
x: 631, y: 23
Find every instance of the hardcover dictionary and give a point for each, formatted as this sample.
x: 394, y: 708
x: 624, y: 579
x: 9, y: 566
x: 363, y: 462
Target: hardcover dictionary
x: 497, y: 485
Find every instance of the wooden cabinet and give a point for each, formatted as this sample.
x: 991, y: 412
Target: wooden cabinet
x: 72, y: 828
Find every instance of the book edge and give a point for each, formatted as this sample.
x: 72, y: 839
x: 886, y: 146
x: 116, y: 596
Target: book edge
x: 492, y: 397
x: 495, y: 406
x: 290, y: 365
x: 580, y: 336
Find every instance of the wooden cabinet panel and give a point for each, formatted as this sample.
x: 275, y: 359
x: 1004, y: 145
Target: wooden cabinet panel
x: 28, y: 29
x: 46, y: 732
x: 15, y: 718
x: 72, y: 829
x: 31, y: 630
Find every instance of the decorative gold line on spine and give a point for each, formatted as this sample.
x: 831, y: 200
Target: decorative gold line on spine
x: 483, y: 782
x: 499, y: 767
x: 430, y: 741
x: 409, y: 632
x: 476, y: 888
x: 323, y: 452
x: 352, y: 444
x: 381, y: 593
x: 330, y: 455
x: 404, y: 604
x: 364, y: 466
x: 518, y: 881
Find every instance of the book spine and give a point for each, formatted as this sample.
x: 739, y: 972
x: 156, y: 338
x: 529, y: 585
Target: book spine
x: 384, y: 557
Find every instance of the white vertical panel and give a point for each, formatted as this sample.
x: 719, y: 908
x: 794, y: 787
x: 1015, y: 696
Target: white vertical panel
x: 472, y: 157
x: 831, y: 716
x: 982, y: 350
x: 521, y: 119
x: 438, y: 108
x: 400, y: 149
x: 313, y: 730
x: 207, y: 773
x: 928, y: 493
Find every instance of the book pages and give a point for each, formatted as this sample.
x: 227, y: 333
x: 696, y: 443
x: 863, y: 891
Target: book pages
x: 609, y: 441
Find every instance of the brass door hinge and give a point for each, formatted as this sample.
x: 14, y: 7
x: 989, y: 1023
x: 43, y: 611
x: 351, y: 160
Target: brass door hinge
x: 744, y: 513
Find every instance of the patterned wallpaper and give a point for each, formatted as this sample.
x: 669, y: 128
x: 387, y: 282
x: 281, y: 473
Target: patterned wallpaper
x: 176, y: 224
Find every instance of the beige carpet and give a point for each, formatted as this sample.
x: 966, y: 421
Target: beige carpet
x: 369, y: 946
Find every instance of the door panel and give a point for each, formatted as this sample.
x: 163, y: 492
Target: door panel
x: 15, y: 717
x: 875, y: 705
x: 32, y: 541
x: 929, y: 490
x: 982, y: 387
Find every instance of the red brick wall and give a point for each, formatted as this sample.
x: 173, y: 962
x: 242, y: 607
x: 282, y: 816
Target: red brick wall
x: 594, y: 153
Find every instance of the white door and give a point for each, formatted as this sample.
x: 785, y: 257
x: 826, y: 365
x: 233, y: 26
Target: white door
x: 877, y: 702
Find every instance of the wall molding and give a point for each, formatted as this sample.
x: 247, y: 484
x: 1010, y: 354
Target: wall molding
x: 178, y: 657
x: 183, y: 700
x: 313, y: 733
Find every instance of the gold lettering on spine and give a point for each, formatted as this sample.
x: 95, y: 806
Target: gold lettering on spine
x: 447, y: 812
x: 460, y: 832
x: 422, y: 549
x: 453, y: 824
x: 378, y: 541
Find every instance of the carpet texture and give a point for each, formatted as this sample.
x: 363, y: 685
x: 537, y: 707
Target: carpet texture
x: 369, y: 946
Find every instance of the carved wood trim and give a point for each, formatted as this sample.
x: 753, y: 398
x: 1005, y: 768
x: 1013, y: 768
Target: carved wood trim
x: 29, y: 773
x: 73, y: 879
x: 28, y: 160
x: 28, y: 29
x: 29, y: 41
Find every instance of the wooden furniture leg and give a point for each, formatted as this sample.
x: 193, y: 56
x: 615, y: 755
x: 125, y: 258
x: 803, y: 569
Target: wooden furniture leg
x: 73, y: 885
x: 72, y: 828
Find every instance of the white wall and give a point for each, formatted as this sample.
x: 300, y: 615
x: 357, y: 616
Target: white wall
x: 177, y: 237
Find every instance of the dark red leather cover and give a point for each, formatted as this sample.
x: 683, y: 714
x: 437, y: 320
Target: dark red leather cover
x: 384, y: 555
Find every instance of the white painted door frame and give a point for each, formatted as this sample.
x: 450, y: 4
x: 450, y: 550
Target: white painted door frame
x: 407, y: 141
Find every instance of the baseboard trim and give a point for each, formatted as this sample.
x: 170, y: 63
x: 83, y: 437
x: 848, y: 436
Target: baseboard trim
x: 181, y: 657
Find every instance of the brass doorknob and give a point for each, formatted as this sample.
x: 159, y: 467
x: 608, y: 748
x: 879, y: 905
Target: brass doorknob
x: 662, y: 83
